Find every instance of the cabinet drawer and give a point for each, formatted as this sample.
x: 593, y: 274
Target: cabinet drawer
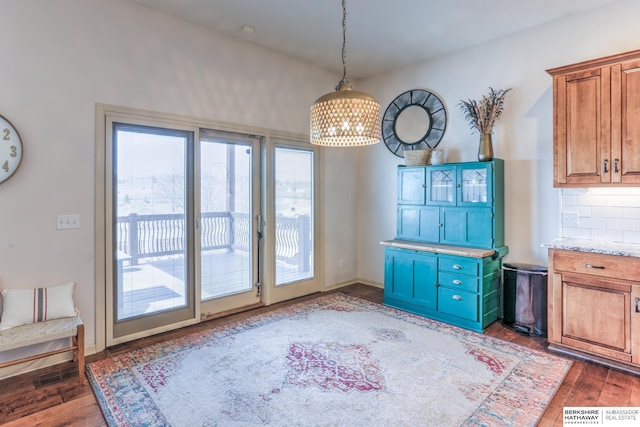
x: 458, y: 281
x: 597, y: 264
x: 459, y: 265
x: 458, y: 303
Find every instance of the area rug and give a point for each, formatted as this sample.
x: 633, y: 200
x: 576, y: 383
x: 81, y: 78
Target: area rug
x: 333, y: 361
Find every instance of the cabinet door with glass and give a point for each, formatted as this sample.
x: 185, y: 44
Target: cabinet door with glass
x: 475, y: 184
x: 441, y: 185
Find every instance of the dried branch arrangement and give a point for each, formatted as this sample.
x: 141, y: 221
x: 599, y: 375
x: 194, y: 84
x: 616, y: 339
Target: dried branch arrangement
x: 483, y: 114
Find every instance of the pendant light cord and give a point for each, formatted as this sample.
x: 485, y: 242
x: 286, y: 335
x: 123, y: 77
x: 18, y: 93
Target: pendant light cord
x: 344, y: 82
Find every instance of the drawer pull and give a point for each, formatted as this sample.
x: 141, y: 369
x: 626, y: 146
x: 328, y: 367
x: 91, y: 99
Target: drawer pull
x: 457, y: 297
x: 457, y: 266
x: 637, y: 310
x: 599, y: 267
x: 457, y: 282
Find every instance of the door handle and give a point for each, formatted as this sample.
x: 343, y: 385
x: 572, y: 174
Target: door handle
x: 637, y: 300
x: 606, y: 165
x: 615, y: 166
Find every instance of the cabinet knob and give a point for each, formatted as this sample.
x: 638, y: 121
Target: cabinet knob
x: 457, y: 282
x: 424, y: 185
x: 436, y: 284
x: 457, y: 297
x: 456, y: 266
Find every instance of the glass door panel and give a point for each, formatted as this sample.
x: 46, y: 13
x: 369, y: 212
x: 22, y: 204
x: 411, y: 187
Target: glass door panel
x: 229, y: 203
x: 442, y: 186
x: 150, y: 227
x: 475, y: 189
x: 474, y: 185
x: 294, y: 194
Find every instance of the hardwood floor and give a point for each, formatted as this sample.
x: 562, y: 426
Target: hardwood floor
x: 52, y: 397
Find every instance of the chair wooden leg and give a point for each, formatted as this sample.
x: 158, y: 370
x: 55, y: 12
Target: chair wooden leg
x: 79, y: 354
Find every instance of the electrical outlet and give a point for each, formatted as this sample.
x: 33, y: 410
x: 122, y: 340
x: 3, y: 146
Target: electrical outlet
x: 341, y: 264
x: 570, y: 219
x: 66, y: 222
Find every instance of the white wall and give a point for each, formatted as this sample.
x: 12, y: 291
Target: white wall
x: 62, y: 57
x: 523, y: 136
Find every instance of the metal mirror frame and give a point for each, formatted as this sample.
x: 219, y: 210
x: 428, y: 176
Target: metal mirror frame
x: 435, y: 110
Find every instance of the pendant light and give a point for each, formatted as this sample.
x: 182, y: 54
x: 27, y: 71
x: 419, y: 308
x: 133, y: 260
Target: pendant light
x: 345, y: 118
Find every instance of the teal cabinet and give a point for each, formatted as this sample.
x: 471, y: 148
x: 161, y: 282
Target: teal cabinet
x: 412, y: 278
x: 466, y: 227
x: 468, y: 198
x: 455, y: 214
x: 411, y: 186
x: 416, y: 223
x: 463, y: 291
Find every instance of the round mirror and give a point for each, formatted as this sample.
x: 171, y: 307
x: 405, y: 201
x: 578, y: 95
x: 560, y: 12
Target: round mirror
x: 412, y: 124
x: 415, y: 120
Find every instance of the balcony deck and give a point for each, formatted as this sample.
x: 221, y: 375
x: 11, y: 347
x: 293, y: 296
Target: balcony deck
x: 157, y: 283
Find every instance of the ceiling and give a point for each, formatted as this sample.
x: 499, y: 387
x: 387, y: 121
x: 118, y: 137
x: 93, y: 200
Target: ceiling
x: 382, y: 35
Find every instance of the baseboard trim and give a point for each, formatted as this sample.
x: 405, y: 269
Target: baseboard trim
x: 352, y: 282
x: 621, y: 366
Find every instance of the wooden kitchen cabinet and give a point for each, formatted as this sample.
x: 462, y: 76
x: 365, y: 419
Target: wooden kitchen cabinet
x: 596, y: 105
x: 592, y: 307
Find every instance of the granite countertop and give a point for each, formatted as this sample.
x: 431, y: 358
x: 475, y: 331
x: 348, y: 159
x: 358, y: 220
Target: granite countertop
x: 595, y: 246
x: 442, y: 249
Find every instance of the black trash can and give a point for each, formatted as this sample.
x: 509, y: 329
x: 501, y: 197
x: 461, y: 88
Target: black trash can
x: 525, y: 298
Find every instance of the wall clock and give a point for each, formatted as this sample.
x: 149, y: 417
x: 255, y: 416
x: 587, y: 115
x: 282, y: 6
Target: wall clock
x: 415, y: 120
x: 10, y: 149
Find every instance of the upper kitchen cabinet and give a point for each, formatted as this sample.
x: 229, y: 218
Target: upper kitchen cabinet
x: 596, y: 115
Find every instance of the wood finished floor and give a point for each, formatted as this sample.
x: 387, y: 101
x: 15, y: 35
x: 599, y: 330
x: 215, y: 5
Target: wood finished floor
x: 52, y: 397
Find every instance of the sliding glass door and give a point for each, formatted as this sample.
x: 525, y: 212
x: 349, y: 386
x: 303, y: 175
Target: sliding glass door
x: 229, y: 214
x: 200, y: 222
x: 295, y: 178
x: 152, y: 219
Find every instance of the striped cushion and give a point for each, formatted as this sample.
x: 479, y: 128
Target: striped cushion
x: 26, y: 306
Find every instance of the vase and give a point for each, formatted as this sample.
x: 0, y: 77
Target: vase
x: 485, y: 149
x: 437, y: 156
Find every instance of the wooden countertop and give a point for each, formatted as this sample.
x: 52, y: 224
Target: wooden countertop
x: 441, y: 249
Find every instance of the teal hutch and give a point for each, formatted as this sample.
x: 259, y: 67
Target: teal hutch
x: 446, y: 260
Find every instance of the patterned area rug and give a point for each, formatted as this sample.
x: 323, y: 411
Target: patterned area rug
x: 332, y: 361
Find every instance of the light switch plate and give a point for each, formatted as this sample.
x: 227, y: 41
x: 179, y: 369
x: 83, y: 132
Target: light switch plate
x: 66, y: 222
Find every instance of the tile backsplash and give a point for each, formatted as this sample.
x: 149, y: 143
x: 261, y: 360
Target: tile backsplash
x: 610, y: 214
